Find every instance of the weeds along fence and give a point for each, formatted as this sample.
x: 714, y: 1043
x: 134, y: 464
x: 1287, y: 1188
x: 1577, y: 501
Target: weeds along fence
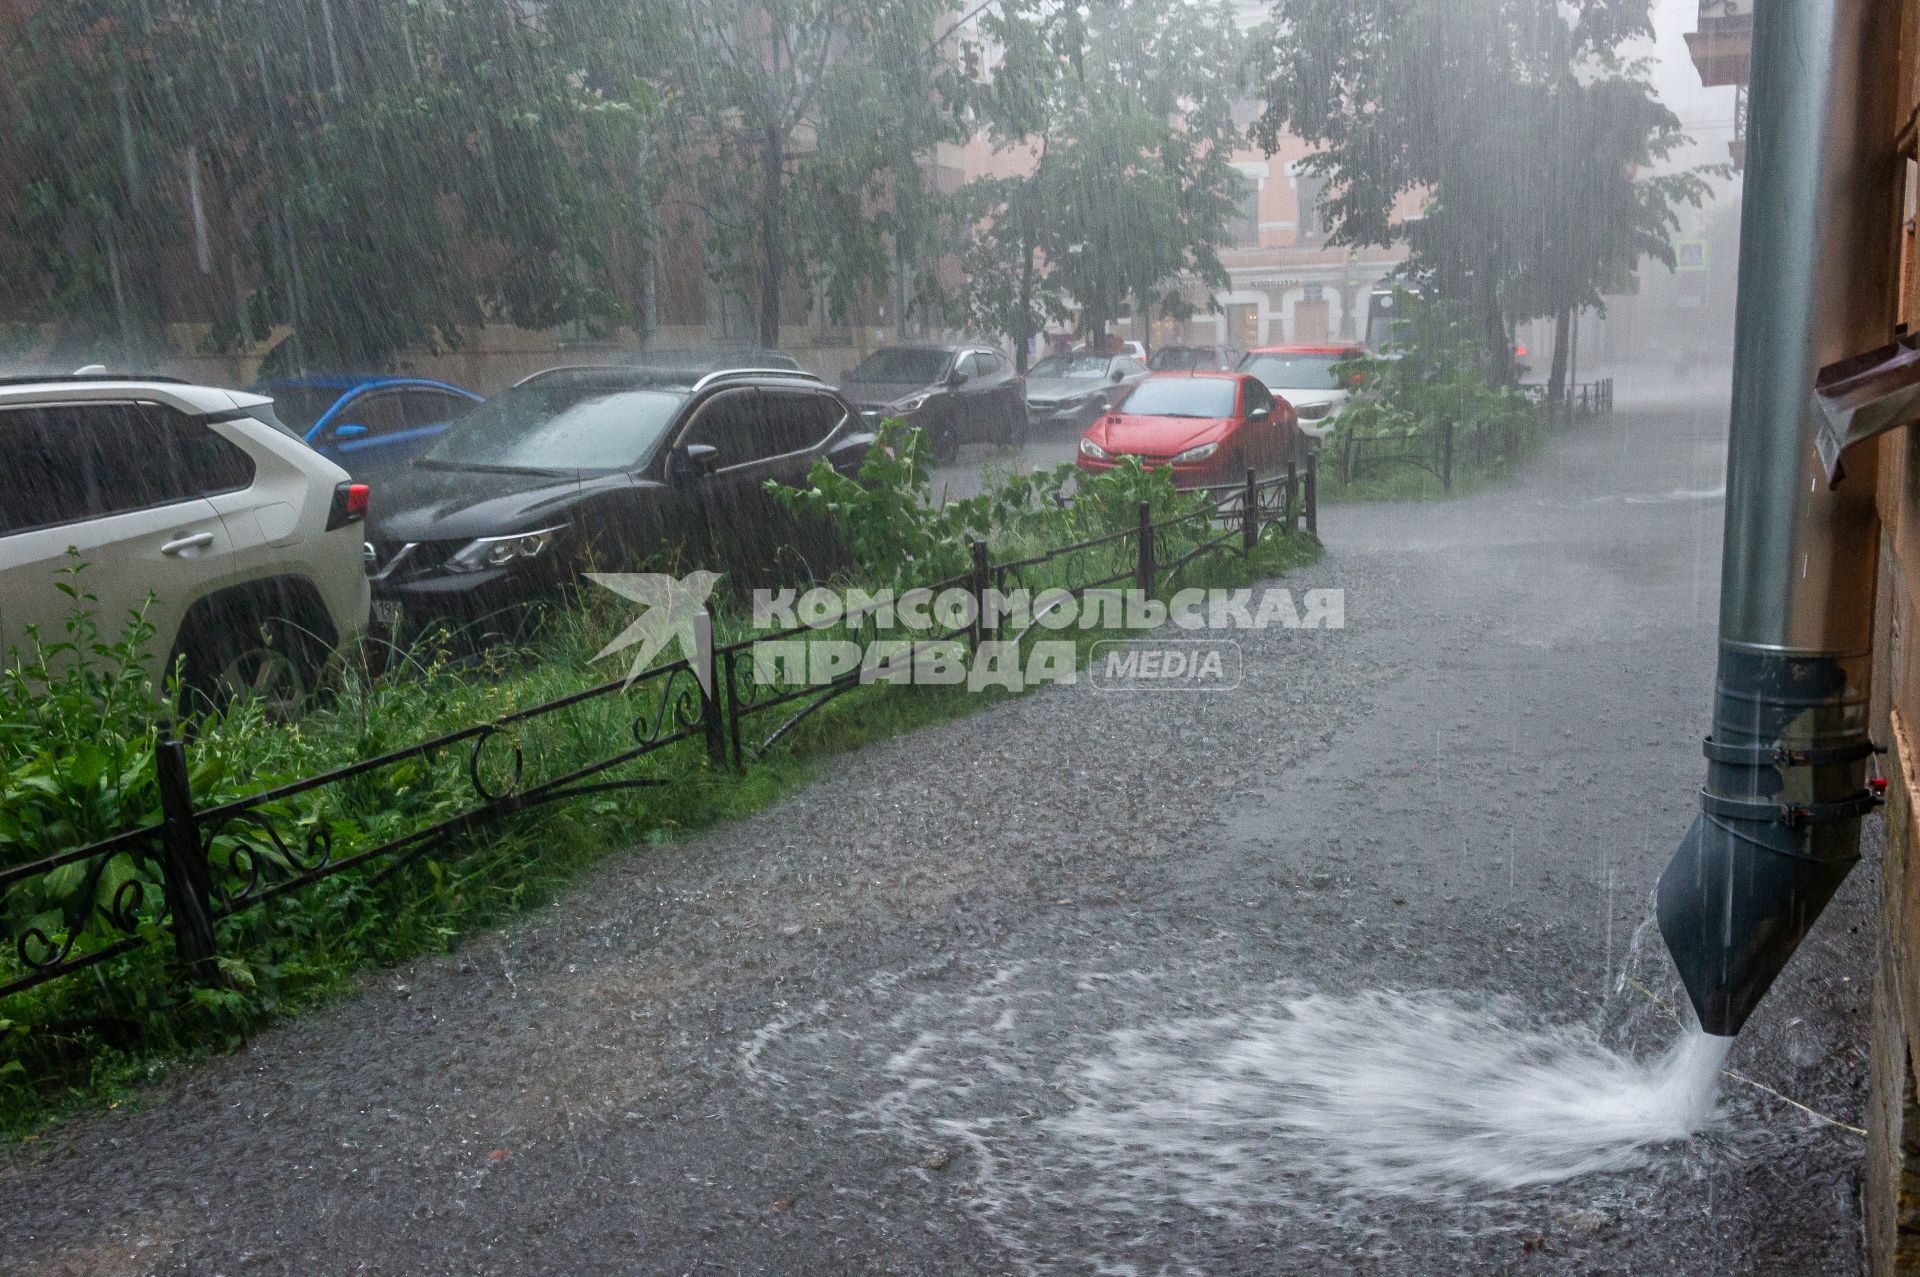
x: 1439, y: 452
x: 175, y: 882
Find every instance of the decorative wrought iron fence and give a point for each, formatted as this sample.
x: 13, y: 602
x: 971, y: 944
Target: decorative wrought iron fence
x: 173, y: 881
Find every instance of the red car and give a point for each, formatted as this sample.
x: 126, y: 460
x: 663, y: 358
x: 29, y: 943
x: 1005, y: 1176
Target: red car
x: 1209, y: 426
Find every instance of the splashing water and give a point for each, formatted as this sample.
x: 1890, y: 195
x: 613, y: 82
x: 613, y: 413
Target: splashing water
x: 1378, y: 1094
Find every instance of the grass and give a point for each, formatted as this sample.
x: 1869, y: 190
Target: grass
x: 93, y: 1039
x: 1399, y: 481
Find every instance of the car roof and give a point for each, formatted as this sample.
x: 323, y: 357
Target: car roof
x: 185, y: 396
x: 686, y: 379
x: 1178, y: 374
x: 1344, y: 348
x: 346, y: 381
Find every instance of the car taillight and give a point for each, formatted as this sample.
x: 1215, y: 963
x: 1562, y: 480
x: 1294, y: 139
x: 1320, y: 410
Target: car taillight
x: 349, y: 505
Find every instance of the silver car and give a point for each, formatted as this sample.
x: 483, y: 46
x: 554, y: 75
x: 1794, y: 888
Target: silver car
x: 1072, y: 391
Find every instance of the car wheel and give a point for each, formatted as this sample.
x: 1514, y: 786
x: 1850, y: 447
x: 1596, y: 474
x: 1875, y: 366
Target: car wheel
x: 1019, y: 427
x: 276, y: 679
x: 944, y: 440
x: 1302, y: 446
x: 273, y: 663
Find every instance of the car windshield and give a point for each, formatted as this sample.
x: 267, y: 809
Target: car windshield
x: 1211, y: 397
x: 1076, y: 366
x: 904, y: 365
x: 1181, y: 359
x: 1295, y: 371
x: 572, y: 423
x: 301, y: 407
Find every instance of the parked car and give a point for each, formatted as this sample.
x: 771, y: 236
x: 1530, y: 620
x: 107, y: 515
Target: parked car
x: 1193, y: 359
x: 1304, y: 377
x: 1074, y: 390
x: 1209, y: 426
x: 698, y: 361
x: 958, y: 394
x: 246, y: 539
x: 366, y: 423
x: 606, y: 468
x: 1132, y: 349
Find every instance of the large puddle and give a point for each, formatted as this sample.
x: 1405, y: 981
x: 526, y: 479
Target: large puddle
x: 1293, y: 1130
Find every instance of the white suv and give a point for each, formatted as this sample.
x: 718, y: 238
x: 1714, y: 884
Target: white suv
x: 246, y: 539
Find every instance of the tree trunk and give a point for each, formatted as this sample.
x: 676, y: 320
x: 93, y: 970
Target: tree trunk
x: 772, y: 263
x: 1562, y: 334
x: 1499, y: 341
x: 1023, y: 323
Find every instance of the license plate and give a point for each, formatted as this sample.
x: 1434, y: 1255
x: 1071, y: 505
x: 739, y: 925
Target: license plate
x: 386, y: 612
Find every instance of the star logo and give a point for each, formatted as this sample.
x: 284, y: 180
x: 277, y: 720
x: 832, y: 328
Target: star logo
x: 675, y: 607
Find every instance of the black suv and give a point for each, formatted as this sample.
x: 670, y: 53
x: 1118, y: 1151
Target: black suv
x: 610, y: 469
x: 958, y: 394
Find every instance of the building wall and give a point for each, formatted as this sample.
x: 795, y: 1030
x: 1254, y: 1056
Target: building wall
x: 1892, y: 1179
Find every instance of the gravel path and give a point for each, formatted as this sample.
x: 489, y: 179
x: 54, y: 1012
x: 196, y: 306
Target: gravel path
x: 874, y: 1029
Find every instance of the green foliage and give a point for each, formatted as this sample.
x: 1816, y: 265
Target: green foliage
x: 1127, y: 107
x: 1431, y: 371
x: 379, y: 176
x: 891, y: 527
x: 794, y: 130
x: 77, y: 737
x: 1520, y: 125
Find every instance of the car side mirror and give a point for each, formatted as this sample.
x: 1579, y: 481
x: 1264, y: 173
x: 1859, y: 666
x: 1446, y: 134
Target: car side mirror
x: 694, y: 461
x: 1262, y: 413
x: 956, y: 379
x: 1118, y: 375
x: 346, y: 430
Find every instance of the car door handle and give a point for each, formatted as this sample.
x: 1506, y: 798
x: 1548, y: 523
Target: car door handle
x: 192, y: 541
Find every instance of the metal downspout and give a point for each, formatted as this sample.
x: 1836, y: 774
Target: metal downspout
x: 1779, y: 826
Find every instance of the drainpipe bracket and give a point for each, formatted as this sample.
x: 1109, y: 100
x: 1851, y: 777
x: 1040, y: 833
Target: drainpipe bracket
x: 1781, y: 756
x: 1868, y: 395
x: 1792, y: 815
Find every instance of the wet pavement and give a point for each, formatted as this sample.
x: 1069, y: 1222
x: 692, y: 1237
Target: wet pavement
x: 876, y: 1027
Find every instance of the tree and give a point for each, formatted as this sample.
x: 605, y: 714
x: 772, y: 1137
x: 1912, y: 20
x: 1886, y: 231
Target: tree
x: 378, y: 176
x: 1126, y: 107
x: 1519, y: 122
x: 798, y: 130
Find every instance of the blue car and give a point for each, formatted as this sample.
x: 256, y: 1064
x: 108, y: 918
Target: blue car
x: 368, y: 423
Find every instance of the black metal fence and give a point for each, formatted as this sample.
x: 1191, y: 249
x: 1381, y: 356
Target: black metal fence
x: 1358, y: 454
x: 199, y: 865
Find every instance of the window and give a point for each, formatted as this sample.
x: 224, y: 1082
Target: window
x: 1211, y: 398
x: 562, y: 422
x: 87, y: 461
x: 794, y: 422
x: 1082, y: 367
x: 991, y: 363
x: 1300, y: 371
x: 969, y: 364
x: 1258, y: 396
x: 902, y: 365
x: 1243, y: 228
x: 727, y: 423
x: 421, y: 407
x: 1311, y: 188
x: 382, y: 412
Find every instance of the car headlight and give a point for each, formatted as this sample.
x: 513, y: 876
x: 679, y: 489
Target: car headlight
x: 912, y: 403
x: 1089, y: 448
x: 1201, y: 453
x: 499, y: 552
